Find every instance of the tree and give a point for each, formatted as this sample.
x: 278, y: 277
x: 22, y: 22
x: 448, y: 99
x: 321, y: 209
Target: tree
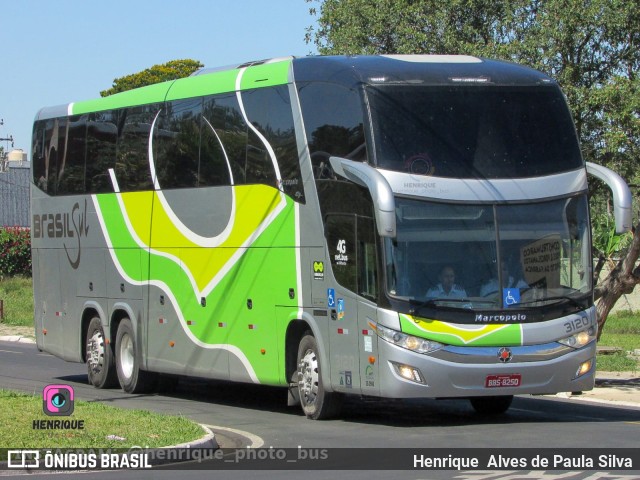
x: 592, y: 48
x: 158, y: 73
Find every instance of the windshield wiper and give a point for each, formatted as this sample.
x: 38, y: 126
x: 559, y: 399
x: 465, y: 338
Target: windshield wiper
x: 432, y: 302
x: 558, y: 298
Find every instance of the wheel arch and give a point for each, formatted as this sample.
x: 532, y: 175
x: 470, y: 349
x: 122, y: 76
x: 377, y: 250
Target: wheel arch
x: 90, y: 310
x: 295, y: 332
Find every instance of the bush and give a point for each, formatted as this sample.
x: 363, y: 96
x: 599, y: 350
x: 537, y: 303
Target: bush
x: 15, y: 251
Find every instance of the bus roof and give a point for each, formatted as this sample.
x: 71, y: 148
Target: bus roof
x: 349, y: 71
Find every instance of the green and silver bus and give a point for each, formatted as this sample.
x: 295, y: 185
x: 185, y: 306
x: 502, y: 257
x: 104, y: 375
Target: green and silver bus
x: 291, y: 222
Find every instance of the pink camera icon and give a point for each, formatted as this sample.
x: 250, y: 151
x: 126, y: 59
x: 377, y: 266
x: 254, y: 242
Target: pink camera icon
x: 57, y: 400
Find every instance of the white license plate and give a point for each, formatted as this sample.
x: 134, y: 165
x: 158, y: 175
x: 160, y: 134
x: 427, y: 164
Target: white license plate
x: 498, y: 381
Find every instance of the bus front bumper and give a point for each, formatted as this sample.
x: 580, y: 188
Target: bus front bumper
x: 486, y: 371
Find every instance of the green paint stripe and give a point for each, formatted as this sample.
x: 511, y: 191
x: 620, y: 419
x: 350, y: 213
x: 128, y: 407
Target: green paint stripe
x: 266, y: 75
x: 257, y: 76
x: 200, y: 85
x: 139, y: 96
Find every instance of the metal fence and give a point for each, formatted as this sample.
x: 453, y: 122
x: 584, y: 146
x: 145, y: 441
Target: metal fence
x: 14, y: 195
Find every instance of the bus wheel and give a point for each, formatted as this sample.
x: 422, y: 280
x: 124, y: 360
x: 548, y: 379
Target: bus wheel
x: 491, y: 405
x: 317, y: 404
x: 100, y: 367
x: 132, y: 379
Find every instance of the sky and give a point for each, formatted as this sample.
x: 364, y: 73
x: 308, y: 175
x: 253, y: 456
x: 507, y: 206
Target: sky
x: 56, y: 52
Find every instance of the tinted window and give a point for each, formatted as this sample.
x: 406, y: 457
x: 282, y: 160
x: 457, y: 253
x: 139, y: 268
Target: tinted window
x: 72, y: 158
x: 54, y: 141
x: 132, y: 165
x: 222, y: 114
x: 102, y: 135
x: 177, y: 144
x: 215, y: 168
x: 269, y: 110
x: 333, y: 122
x: 340, y: 231
x: 473, y: 132
x: 39, y: 167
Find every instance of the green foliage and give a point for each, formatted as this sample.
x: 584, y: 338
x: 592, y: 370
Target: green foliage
x: 15, y: 251
x: 606, y: 241
x: 17, y: 296
x: 158, y: 73
x: 589, y: 47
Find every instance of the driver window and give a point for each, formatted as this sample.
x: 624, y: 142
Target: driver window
x: 340, y: 232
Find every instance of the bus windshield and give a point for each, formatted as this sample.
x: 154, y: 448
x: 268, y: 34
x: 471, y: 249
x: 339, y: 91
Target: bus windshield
x: 472, y: 131
x: 489, y: 256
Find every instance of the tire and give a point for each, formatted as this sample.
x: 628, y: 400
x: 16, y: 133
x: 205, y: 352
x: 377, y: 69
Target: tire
x: 491, y: 405
x: 132, y: 379
x: 316, y: 403
x: 99, y: 354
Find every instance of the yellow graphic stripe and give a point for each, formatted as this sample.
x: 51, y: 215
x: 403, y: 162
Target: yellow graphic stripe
x: 462, y: 334
x: 255, y: 204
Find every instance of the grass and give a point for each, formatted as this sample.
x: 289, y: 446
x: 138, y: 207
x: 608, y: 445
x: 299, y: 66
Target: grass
x: 621, y: 330
x: 17, y: 296
x: 129, y: 427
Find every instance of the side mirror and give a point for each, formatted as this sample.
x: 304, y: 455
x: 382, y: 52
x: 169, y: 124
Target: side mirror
x: 366, y: 176
x: 621, y: 195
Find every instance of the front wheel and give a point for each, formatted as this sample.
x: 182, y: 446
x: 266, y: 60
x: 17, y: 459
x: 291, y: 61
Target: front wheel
x: 100, y: 368
x: 316, y: 403
x: 491, y: 405
x: 132, y: 379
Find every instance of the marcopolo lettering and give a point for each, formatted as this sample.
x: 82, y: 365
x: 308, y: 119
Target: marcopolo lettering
x: 498, y: 318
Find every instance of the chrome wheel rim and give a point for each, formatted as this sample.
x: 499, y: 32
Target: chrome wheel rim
x: 308, y: 378
x: 126, y: 356
x: 95, y: 351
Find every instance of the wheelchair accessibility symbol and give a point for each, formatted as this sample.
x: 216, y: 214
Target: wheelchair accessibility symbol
x: 510, y: 296
x: 331, y: 298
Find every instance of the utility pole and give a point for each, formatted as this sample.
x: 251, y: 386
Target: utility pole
x: 3, y: 154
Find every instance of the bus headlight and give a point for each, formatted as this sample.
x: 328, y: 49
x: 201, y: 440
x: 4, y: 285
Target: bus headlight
x: 415, y: 344
x: 580, y: 339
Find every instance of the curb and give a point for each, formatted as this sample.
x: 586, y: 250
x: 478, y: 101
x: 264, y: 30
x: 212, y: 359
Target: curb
x: 191, y: 450
x: 17, y: 338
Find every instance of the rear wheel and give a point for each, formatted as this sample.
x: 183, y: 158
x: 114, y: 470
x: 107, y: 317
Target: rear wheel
x: 132, y: 379
x: 316, y: 403
x: 100, y: 366
x: 491, y: 405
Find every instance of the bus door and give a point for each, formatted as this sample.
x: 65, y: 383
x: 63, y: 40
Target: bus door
x: 351, y: 301
x: 342, y: 303
x: 367, y: 283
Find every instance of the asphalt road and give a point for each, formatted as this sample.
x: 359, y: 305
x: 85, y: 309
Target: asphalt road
x: 261, y: 412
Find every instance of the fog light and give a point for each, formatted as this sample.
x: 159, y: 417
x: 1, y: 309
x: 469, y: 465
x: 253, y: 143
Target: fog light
x: 408, y: 372
x: 584, y: 367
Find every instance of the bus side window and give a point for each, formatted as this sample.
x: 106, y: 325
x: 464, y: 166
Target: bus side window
x: 177, y: 144
x: 71, y: 169
x: 222, y: 115
x: 102, y: 136
x: 269, y: 110
x: 132, y: 163
x: 334, y: 125
x: 39, y: 169
x: 367, y: 260
x: 340, y: 232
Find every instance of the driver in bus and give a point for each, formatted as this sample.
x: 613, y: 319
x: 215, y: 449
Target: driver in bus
x: 447, y: 287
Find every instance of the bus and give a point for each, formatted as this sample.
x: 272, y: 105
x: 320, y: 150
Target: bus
x: 374, y: 226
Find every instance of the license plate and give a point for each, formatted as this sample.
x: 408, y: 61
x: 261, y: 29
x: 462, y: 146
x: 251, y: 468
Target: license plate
x: 508, y: 380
